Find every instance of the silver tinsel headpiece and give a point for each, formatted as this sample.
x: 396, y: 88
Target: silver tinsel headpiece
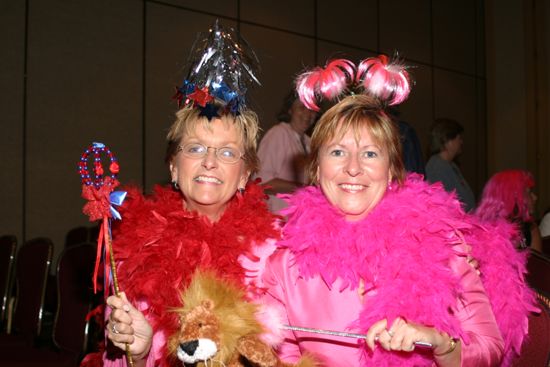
x: 221, y: 68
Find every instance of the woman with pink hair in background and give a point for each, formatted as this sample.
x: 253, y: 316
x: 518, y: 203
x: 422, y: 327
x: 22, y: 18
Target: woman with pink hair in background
x: 509, y: 195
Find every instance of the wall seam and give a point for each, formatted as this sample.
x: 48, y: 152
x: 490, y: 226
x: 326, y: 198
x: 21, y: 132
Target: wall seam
x: 143, y: 97
x: 24, y: 123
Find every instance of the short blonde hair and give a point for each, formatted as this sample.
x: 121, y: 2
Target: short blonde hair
x: 354, y: 113
x: 246, y: 123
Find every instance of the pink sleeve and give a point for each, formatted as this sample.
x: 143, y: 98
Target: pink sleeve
x: 485, y: 345
x: 271, y: 152
x: 287, y: 348
x: 254, y: 263
x: 154, y: 354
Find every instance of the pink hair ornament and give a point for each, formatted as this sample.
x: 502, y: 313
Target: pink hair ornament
x: 378, y: 76
x: 386, y: 80
x: 329, y: 82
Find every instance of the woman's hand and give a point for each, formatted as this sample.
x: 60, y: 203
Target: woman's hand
x: 127, y: 325
x: 402, y: 335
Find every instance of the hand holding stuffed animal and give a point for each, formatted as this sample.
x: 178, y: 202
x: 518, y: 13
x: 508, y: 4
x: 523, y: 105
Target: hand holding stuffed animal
x: 218, y: 326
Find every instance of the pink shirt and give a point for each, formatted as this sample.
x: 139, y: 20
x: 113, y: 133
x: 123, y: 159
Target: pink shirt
x: 282, y: 154
x: 311, y: 303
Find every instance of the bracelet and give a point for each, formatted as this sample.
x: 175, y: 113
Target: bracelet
x: 452, y: 347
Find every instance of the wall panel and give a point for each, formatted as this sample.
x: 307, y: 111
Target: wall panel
x: 281, y: 59
x: 405, y: 28
x: 84, y: 85
x: 12, y: 83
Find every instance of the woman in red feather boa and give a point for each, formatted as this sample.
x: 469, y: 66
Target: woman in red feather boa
x: 210, y: 218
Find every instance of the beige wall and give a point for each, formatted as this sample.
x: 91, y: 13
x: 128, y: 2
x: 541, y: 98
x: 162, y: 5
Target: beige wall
x: 73, y: 72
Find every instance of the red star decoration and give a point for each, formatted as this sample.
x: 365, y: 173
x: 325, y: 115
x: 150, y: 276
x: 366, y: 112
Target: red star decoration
x: 201, y: 96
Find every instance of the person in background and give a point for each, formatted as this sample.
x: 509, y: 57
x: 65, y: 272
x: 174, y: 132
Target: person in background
x: 545, y: 225
x: 283, y: 150
x: 412, y: 151
x: 509, y: 195
x: 445, y: 146
x: 371, y: 251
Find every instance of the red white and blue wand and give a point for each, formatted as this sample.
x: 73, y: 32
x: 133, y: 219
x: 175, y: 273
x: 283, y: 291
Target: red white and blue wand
x: 102, y: 199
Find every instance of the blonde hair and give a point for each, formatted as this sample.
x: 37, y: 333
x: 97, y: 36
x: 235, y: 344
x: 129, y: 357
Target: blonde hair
x: 354, y: 113
x: 246, y: 123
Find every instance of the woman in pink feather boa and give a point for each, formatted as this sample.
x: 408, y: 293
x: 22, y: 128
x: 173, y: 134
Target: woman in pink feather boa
x: 368, y: 250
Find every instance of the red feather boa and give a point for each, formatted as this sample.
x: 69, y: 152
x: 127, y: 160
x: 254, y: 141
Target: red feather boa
x: 158, y: 245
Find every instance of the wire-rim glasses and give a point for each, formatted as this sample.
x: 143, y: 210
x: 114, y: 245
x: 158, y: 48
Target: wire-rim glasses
x: 197, y: 151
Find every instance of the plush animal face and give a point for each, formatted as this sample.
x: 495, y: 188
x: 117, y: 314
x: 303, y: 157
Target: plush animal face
x: 199, y: 338
x: 218, y: 325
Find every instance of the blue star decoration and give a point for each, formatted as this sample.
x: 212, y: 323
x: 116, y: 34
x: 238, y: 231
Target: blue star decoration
x: 234, y: 105
x: 209, y: 111
x: 222, y: 91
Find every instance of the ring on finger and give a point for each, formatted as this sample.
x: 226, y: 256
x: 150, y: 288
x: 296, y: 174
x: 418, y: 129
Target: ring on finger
x: 114, y: 329
x: 390, y: 333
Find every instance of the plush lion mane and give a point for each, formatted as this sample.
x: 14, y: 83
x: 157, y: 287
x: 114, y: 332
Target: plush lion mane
x: 216, y: 310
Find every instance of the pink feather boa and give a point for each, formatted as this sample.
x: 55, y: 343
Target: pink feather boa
x: 402, y: 250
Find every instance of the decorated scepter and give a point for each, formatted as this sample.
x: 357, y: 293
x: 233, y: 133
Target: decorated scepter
x: 102, y: 199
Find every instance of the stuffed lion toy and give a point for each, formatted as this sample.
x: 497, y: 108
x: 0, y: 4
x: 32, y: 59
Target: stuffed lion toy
x: 219, y: 327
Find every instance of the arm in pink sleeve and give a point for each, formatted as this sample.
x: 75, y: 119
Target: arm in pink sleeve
x: 485, y: 345
x: 254, y: 263
x: 274, y: 297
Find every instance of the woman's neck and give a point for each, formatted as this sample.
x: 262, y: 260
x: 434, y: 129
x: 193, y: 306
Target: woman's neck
x: 296, y: 129
x: 446, y: 156
x: 212, y: 212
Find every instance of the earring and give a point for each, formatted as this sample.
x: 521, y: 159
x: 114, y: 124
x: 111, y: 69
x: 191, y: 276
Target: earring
x: 239, y: 194
x: 175, y: 186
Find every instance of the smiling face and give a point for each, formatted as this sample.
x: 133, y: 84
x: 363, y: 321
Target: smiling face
x: 208, y: 184
x: 354, y: 172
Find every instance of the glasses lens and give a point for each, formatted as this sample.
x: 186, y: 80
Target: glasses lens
x: 193, y: 150
x: 228, y: 154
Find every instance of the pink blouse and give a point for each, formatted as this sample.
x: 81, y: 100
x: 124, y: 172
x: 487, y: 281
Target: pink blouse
x: 313, y: 303
x: 282, y: 154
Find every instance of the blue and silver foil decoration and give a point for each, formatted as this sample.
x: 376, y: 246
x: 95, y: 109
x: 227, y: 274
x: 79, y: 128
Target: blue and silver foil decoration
x: 222, y: 67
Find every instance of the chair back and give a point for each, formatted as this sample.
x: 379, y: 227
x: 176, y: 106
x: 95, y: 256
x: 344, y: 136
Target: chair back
x: 536, y: 349
x: 74, y: 289
x: 538, y: 272
x: 31, y: 273
x: 77, y: 236
x: 8, y: 246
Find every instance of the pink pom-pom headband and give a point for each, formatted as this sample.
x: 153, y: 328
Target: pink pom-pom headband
x: 387, y: 80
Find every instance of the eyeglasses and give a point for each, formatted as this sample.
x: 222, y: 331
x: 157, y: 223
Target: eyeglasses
x: 196, y: 151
